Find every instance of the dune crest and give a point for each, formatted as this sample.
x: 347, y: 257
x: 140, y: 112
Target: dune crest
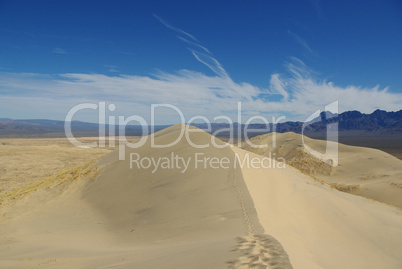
x: 361, y: 171
x: 320, y: 227
x: 146, y: 217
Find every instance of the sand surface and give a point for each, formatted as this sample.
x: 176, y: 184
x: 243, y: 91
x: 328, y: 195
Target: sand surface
x: 200, y: 217
x: 320, y: 227
x: 361, y: 171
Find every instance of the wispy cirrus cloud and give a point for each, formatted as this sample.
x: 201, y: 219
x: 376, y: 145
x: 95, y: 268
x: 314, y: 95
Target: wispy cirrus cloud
x: 317, y: 7
x: 171, y: 27
x: 302, y: 42
x: 201, y: 53
x: 111, y: 68
x: 59, y: 51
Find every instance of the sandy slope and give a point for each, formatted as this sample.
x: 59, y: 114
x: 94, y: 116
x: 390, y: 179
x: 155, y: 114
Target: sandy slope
x: 133, y: 218
x: 362, y: 171
x: 320, y: 227
x: 198, y: 218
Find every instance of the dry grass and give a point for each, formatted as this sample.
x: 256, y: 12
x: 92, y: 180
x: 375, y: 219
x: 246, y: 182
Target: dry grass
x: 29, y: 160
x: 373, y: 176
x: 84, y: 171
x: 395, y: 184
x: 345, y: 188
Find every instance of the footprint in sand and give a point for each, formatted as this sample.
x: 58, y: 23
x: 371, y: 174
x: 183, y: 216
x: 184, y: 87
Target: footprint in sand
x: 260, y: 251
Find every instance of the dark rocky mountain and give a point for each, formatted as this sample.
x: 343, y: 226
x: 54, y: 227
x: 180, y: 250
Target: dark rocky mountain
x: 378, y: 122
x: 351, y: 122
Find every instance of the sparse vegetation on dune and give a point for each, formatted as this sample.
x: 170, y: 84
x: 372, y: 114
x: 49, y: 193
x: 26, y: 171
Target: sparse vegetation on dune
x: 395, y: 184
x: 373, y: 176
x: 361, y: 171
x: 345, y: 187
x: 29, y: 165
x: 28, y: 160
x: 85, y: 171
x: 307, y: 163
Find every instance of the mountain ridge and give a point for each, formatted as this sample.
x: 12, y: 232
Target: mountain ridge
x: 377, y: 123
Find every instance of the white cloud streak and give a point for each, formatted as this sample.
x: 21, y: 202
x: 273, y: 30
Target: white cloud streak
x: 302, y: 42
x: 174, y: 28
x: 205, y: 56
x: 111, y: 68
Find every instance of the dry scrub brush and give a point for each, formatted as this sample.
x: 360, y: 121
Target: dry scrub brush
x: 85, y: 171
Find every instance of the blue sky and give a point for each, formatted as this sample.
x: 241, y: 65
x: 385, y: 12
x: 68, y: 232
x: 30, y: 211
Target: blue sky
x: 286, y: 58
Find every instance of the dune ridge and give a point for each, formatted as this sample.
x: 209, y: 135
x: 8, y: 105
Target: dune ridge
x: 177, y: 217
x: 366, y: 172
x: 320, y: 227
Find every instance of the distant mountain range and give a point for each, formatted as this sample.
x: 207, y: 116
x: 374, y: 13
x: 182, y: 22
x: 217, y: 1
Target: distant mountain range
x: 378, y: 122
x: 55, y: 128
x: 349, y: 123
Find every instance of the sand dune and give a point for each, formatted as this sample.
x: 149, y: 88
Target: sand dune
x: 133, y: 218
x: 196, y: 216
x: 148, y: 205
x: 320, y: 227
x: 362, y: 171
